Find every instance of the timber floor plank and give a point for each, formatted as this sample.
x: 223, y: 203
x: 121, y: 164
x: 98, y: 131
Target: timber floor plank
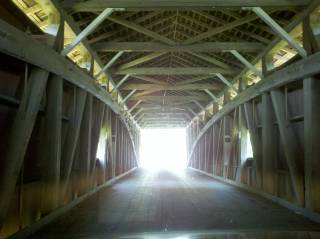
x: 164, y: 202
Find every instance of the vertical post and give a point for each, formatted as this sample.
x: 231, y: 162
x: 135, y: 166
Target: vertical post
x: 242, y: 145
x: 69, y: 147
x: 290, y: 145
x: 50, y: 163
x: 215, y: 139
x: 311, y: 92
x: 52, y: 145
x: 268, y: 150
x: 85, y: 145
x: 98, y: 112
x: 234, y: 141
x: 219, y: 150
x: 311, y: 89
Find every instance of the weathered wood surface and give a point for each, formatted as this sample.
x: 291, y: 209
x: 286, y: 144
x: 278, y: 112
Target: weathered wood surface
x: 163, y: 201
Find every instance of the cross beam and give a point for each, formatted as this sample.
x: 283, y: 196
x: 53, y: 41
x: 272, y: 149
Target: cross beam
x: 171, y: 87
x: 98, y: 5
x: 173, y: 71
x: 171, y: 99
x: 160, y: 47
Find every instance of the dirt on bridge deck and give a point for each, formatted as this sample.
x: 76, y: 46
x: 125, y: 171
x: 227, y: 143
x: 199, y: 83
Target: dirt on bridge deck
x: 165, y: 202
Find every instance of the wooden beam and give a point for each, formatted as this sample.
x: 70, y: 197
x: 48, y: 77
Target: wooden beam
x: 211, y: 60
x: 76, y: 29
x: 290, y: 145
x: 134, y: 106
x: 151, y: 80
x: 269, y: 166
x: 110, y: 63
x: 146, y: 92
x: 141, y: 29
x: 69, y: 147
x: 211, y: 32
x: 85, y: 32
x: 147, y: 108
x: 171, y: 99
x: 164, y: 114
x: 160, y: 47
x: 20, y: 135
x: 97, y: 120
x: 20, y: 45
x: 84, y: 145
x: 173, y: 71
x: 296, y: 71
x: 50, y: 162
x: 141, y: 60
x: 280, y: 31
x: 99, y: 5
x: 246, y: 63
x: 163, y: 119
x: 128, y: 96
x: 196, y: 79
x: 171, y: 87
x: 311, y: 89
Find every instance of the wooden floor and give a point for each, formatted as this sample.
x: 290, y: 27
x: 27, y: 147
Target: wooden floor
x: 164, y: 202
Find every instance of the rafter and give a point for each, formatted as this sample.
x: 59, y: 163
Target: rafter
x: 140, y: 29
x: 149, y: 79
x: 141, y: 60
x: 220, y: 29
x: 210, y: 59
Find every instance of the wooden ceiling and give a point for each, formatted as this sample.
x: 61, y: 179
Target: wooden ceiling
x: 174, y: 57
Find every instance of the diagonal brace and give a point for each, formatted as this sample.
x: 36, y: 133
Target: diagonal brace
x: 279, y: 30
x: 90, y: 28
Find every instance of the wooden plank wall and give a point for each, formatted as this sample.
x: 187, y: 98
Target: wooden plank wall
x: 58, y: 143
x: 284, y: 130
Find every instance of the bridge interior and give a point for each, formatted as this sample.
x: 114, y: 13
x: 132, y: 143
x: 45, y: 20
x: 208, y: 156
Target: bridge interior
x: 80, y: 79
